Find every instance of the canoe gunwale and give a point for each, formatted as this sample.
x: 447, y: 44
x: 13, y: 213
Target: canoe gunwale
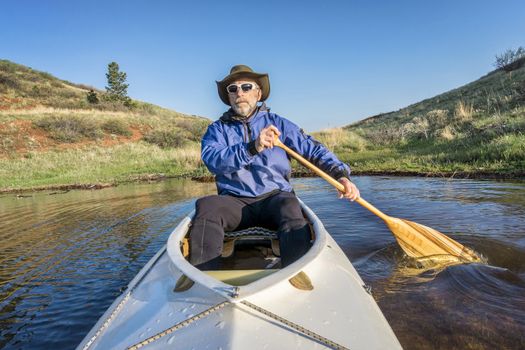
x: 238, y: 294
x: 105, y: 320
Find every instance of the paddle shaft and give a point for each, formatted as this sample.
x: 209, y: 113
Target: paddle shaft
x: 415, y: 239
x: 328, y: 178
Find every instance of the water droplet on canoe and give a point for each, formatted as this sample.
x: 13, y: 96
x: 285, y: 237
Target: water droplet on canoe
x: 170, y: 341
x: 220, y: 324
x: 170, y: 314
x: 184, y: 310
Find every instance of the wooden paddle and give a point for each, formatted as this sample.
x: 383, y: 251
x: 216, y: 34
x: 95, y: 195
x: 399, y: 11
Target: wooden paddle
x: 416, y: 240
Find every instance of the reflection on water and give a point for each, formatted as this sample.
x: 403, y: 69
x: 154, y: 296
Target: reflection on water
x: 476, y: 306
x: 65, y: 257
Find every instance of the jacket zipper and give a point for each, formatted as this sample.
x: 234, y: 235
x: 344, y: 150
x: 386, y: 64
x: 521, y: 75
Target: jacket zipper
x: 248, y: 133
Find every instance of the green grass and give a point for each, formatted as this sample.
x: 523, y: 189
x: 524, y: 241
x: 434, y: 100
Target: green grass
x: 477, y: 128
x: 117, y: 164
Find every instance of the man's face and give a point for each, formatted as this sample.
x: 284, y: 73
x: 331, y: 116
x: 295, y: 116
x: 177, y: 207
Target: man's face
x: 244, y: 102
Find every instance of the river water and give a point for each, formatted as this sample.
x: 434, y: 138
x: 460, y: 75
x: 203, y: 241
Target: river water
x: 66, y: 256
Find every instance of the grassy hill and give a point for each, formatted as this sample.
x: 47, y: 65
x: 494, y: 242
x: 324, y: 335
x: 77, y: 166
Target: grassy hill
x: 51, y: 135
x: 476, y: 130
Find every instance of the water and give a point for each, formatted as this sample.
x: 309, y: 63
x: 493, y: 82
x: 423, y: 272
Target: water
x: 67, y: 256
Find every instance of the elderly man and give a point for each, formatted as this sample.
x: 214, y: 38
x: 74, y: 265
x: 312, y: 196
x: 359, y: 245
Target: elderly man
x: 252, y: 176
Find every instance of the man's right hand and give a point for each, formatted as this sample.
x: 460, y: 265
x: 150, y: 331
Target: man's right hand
x: 266, y: 138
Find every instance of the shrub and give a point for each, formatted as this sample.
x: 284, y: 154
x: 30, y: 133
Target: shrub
x: 195, y: 127
x: 8, y: 82
x: 69, y: 129
x: 464, y: 111
x: 448, y: 133
x: 67, y: 94
x: 437, y: 117
x: 117, y: 127
x: 166, y: 138
x: 507, y: 59
x: 520, y: 90
x: 40, y: 91
x: 510, y: 147
x: 57, y: 84
x: 92, y: 97
x: 421, y: 126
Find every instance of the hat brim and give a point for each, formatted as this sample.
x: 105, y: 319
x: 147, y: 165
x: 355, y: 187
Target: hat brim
x: 261, y: 79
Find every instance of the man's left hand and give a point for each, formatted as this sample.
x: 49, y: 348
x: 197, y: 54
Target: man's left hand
x: 351, y: 190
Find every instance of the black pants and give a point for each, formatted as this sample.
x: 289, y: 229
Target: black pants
x: 217, y: 214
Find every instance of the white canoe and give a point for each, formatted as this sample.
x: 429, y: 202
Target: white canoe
x: 268, y: 313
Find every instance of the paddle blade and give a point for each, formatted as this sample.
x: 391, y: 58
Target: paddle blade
x: 421, y: 241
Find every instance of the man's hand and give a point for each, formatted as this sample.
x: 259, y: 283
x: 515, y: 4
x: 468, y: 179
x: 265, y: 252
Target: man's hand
x: 351, y: 191
x: 266, y: 138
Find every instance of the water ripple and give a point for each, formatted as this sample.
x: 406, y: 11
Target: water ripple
x: 66, y: 257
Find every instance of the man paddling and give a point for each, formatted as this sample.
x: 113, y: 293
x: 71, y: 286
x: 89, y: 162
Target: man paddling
x: 252, y: 176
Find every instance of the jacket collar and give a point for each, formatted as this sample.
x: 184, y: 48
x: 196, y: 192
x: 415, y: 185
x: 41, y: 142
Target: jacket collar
x: 230, y: 116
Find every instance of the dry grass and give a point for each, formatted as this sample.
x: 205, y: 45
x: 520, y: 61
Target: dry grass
x: 448, y: 133
x: 42, y: 110
x: 337, y: 139
x: 464, y: 111
x: 332, y: 137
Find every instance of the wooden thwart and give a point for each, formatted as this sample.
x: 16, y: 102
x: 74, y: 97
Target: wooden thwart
x: 416, y: 240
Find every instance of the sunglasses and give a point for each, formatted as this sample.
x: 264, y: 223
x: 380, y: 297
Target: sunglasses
x: 234, y: 88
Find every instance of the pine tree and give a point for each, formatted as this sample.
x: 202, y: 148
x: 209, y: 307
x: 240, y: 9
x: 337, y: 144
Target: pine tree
x: 117, y: 88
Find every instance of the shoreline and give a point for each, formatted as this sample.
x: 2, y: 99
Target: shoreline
x: 517, y: 175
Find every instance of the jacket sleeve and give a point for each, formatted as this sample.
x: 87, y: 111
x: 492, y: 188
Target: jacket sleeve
x: 220, y: 158
x: 313, y: 150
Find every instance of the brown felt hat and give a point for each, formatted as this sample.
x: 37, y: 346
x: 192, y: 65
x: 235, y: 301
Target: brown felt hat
x: 241, y: 71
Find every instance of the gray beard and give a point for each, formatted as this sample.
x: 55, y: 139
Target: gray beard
x: 245, y: 111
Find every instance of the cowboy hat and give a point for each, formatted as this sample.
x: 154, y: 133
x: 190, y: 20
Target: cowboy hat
x: 241, y: 71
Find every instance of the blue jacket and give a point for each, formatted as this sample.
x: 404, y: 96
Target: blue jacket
x: 228, y: 150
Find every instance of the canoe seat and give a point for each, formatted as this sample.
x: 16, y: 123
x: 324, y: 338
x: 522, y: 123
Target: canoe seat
x: 239, y: 277
x: 230, y: 238
x: 252, y: 233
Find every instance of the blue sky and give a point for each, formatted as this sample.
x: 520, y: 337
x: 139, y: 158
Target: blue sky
x: 330, y: 62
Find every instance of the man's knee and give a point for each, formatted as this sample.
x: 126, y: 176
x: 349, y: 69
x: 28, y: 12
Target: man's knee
x: 210, y: 208
x: 207, y: 204
x: 289, y: 212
